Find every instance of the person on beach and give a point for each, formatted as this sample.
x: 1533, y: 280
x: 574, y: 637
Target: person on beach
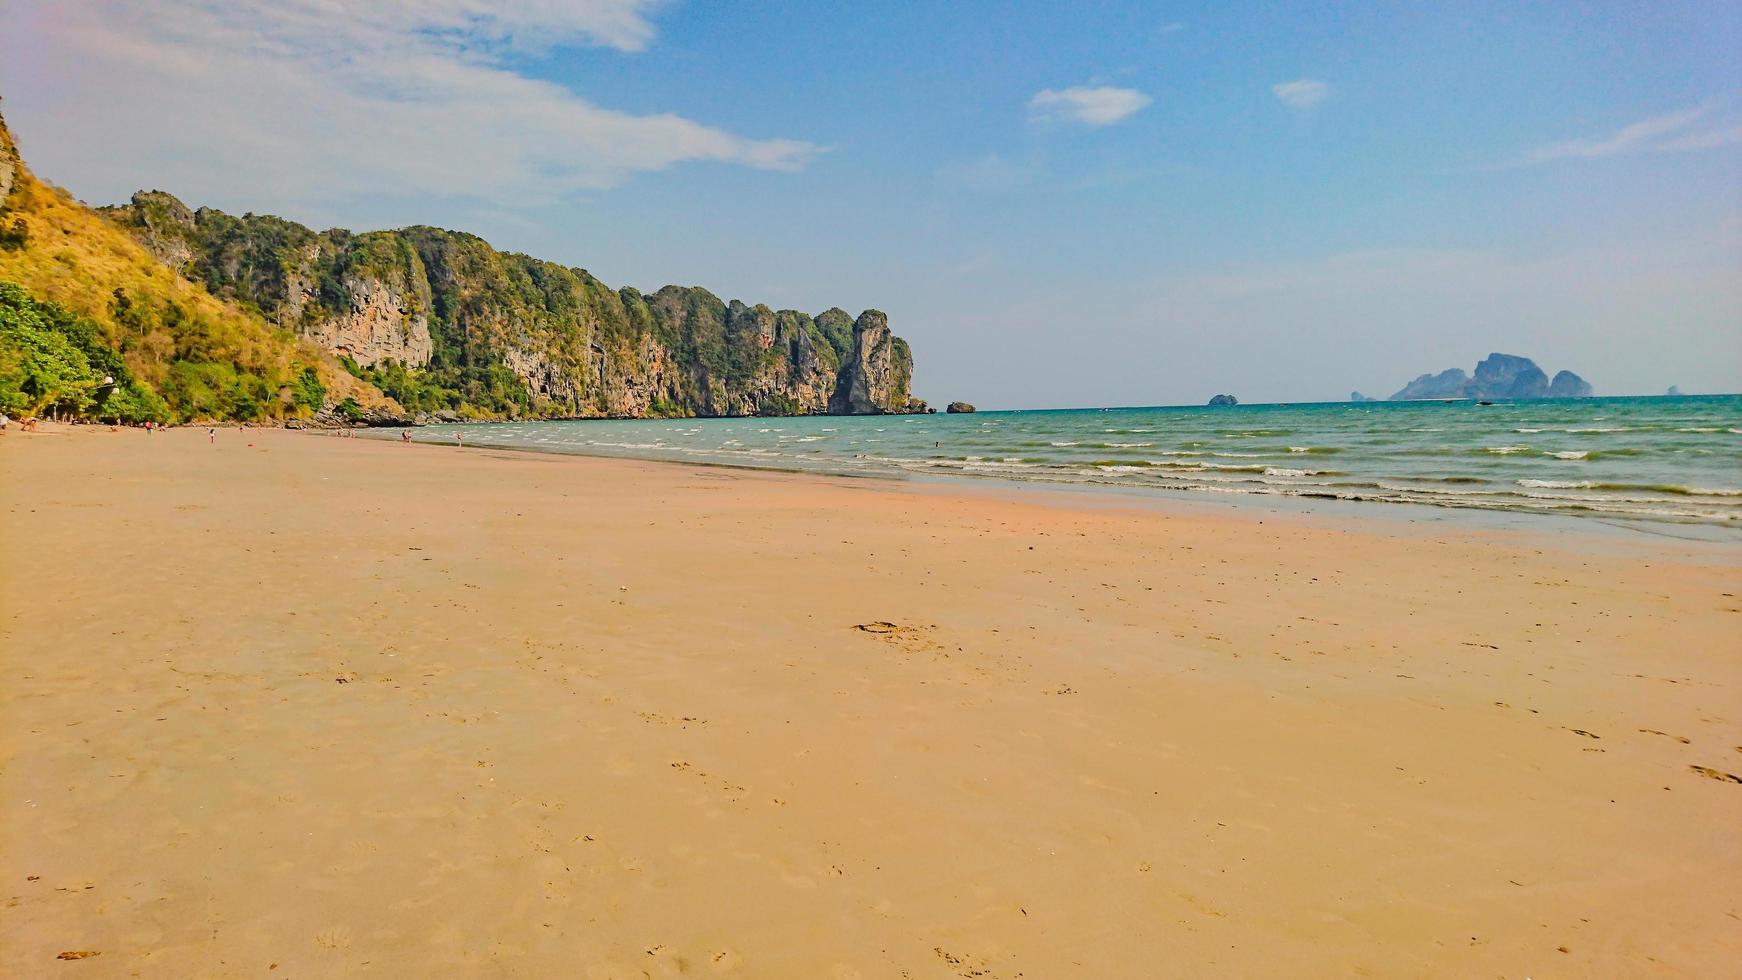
x: 212, y: 435
x: 5, y: 420
x: 460, y: 439
x: 405, y: 435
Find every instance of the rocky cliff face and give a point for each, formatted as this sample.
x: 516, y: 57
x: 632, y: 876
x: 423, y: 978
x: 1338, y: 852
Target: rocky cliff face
x: 445, y: 322
x: 362, y: 297
x: 875, y: 377
x: 8, y: 163
x: 1497, y: 376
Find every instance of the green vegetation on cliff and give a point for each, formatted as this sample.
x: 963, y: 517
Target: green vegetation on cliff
x: 445, y: 324
x: 82, y: 301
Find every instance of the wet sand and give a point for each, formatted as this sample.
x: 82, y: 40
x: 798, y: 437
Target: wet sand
x: 325, y: 707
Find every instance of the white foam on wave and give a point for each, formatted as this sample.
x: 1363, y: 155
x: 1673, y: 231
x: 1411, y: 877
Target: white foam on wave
x: 1508, y: 450
x: 1571, y: 454
x: 1557, y: 484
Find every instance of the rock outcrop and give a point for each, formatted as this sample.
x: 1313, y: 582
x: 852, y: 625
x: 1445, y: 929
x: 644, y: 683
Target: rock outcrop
x: 874, y: 380
x: 959, y: 408
x: 1673, y: 392
x: 1356, y: 396
x: 1566, y: 384
x: 1509, y: 376
x: 8, y: 163
x: 1497, y: 376
x: 1223, y: 401
x: 444, y: 322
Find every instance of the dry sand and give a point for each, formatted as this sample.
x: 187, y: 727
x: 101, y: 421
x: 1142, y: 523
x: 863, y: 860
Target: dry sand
x: 327, y: 707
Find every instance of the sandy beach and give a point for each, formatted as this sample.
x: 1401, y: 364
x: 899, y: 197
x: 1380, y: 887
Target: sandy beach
x: 299, y: 706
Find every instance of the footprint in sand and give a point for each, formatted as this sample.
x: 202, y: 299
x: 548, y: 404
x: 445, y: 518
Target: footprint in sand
x: 338, y: 937
x: 1679, y: 738
x: 965, y: 966
x: 908, y: 639
x: 1718, y: 774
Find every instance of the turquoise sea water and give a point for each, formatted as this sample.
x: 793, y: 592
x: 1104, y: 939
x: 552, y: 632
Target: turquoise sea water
x: 1643, y: 459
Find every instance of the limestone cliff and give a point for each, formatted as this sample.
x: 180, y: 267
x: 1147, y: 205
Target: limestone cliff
x: 445, y: 322
x: 874, y: 380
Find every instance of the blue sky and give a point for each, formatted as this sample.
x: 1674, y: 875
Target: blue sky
x: 1057, y: 204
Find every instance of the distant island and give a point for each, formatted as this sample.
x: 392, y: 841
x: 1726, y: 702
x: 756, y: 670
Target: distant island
x: 1223, y: 401
x: 1497, y: 376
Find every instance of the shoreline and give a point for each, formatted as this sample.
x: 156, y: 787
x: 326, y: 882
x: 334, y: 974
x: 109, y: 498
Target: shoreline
x: 1404, y: 511
x: 336, y: 706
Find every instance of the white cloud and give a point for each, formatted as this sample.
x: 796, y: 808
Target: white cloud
x: 1670, y: 133
x: 1093, y: 106
x: 1172, y: 27
x: 316, y: 99
x: 1302, y: 93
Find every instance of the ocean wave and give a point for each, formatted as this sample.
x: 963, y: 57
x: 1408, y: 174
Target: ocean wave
x: 1572, y: 454
x: 1317, y: 450
x: 1450, y: 479
x: 1506, y: 450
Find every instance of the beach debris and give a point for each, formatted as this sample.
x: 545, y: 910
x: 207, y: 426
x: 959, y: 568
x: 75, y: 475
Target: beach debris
x: 78, y: 954
x: 877, y: 627
x: 1581, y: 731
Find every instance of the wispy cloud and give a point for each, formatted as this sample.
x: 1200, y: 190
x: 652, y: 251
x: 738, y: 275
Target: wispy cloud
x: 321, y: 98
x: 1172, y: 27
x: 1092, y: 106
x: 1302, y: 93
x: 991, y: 172
x: 1670, y: 133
